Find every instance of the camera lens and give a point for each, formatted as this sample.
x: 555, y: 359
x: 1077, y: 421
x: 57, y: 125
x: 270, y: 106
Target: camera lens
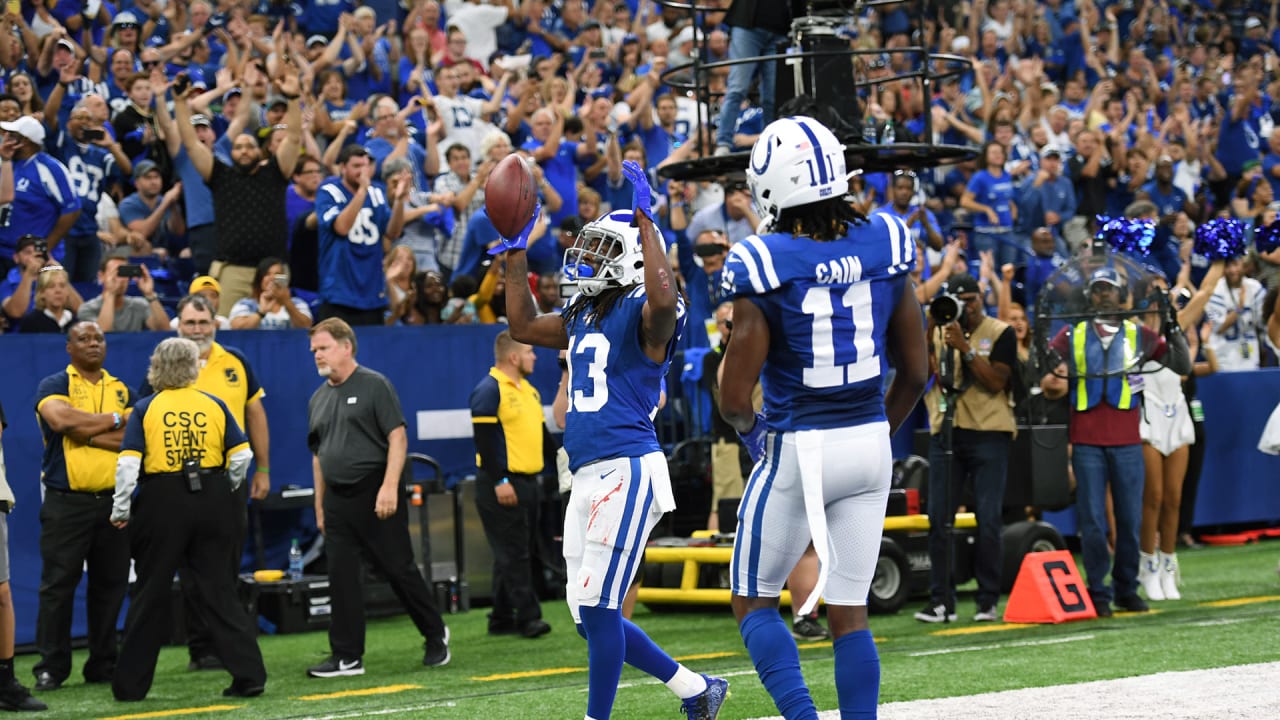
x: 944, y: 309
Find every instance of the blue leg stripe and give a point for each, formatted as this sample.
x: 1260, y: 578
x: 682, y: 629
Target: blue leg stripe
x: 638, y: 541
x: 754, y: 559
x: 627, y: 519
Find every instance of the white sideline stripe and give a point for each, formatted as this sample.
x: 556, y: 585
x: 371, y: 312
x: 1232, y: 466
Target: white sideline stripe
x: 655, y: 681
x: 1184, y: 695
x: 384, y: 711
x: 1211, y: 623
x: 456, y: 424
x: 1001, y: 646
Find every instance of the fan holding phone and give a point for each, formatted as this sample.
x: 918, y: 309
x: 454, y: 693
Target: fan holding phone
x: 115, y: 310
x: 84, y: 144
x: 271, y: 306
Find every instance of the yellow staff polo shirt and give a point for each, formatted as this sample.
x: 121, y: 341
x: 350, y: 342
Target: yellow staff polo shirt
x: 516, y: 408
x: 226, y: 375
x: 174, y: 425
x: 72, y: 465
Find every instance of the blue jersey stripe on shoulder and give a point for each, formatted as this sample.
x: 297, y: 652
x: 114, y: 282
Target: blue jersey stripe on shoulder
x: 740, y: 254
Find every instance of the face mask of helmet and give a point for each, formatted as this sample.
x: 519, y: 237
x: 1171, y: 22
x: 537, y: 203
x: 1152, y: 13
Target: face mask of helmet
x: 605, y: 254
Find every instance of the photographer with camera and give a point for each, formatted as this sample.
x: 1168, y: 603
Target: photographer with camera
x: 972, y: 356
x: 114, y: 311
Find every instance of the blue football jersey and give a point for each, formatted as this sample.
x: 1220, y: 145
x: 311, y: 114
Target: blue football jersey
x: 90, y: 168
x: 614, y: 386
x: 43, y: 194
x: 351, y: 265
x: 828, y: 306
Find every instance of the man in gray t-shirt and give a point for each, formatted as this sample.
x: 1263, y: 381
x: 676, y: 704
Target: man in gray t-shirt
x: 356, y: 433
x: 114, y: 311
x: 349, y: 426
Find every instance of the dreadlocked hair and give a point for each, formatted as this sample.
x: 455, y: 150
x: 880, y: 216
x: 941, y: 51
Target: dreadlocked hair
x: 595, y: 307
x: 824, y: 220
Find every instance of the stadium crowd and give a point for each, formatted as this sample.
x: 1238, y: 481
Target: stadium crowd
x: 1079, y: 110
x: 295, y: 161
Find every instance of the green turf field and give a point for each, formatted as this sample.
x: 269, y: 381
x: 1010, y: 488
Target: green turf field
x: 1228, y: 616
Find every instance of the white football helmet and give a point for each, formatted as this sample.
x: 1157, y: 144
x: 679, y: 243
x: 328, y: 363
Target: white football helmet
x: 606, y: 254
x: 795, y: 161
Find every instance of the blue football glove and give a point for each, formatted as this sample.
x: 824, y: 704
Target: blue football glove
x: 521, y: 241
x: 642, y: 194
x: 753, y: 439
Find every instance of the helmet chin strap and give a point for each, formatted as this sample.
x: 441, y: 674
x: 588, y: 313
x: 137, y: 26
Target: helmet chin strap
x: 766, y: 223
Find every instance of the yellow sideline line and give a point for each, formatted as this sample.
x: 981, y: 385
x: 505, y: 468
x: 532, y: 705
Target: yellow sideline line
x: 812, y: 645
x: 175, y: 711
x: 1233, y: 602
x: 977, y: 629
x: 706, y: 656
x: 529, y: 674
x: 383, y: 690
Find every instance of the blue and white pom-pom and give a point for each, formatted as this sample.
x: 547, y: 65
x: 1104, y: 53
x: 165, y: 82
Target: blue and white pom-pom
x: 1220, y: 239
x: 1132, y: 236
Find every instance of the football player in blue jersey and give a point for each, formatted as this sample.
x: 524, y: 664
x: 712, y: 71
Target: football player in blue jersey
x: 619, y: 330
x: 821, y: 304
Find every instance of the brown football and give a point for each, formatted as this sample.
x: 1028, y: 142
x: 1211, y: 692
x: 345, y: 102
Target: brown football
x: 509, y: 195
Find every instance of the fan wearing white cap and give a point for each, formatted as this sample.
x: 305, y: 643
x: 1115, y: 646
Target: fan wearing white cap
x: 126, y: 32
x: 831, y: 287
x: 45, y: 204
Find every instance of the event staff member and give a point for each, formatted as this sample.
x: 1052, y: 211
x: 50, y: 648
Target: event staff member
x: 974, y: 357
x: 726, y: 451
x: 82, y: 412
x: 13, y: 694
x: 226, y: 375
x: 357, y: 439
x: 1106, y: 445
x: 510, y: 429
x: 187, y: 455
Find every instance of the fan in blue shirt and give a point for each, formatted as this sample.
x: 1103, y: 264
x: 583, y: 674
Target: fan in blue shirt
x: 1238, y: 140
x: 1170, y: 200
x: 990, y: 196
x: 45, y: 204
x: 91, y: 168
x: 919, y: 219
x: 357, y: 224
